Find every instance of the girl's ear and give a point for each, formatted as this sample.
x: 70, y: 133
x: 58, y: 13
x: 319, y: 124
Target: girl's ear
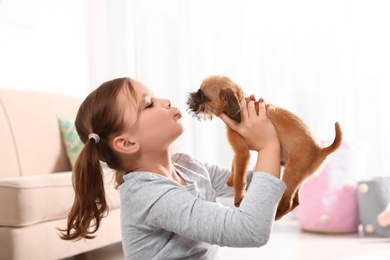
x: 124, y: 145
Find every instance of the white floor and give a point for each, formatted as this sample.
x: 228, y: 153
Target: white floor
x: 288, y: 242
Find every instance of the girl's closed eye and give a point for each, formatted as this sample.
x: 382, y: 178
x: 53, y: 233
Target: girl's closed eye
x: 150, y: 104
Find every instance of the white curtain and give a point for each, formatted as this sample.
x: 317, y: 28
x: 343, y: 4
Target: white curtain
x: 326, y: 61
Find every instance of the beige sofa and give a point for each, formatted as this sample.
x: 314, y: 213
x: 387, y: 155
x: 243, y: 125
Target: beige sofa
x: 36, y: 181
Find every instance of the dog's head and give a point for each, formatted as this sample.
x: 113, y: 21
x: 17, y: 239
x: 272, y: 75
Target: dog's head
x: 216, y: 94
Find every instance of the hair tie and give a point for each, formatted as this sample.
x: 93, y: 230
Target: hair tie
x: 95, y: 137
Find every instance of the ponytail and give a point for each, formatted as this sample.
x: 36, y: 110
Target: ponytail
x: 98, y: 119
x: 89, y: 206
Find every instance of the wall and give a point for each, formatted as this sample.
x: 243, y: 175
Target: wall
x: 326, y: 61
x: 44, y: 46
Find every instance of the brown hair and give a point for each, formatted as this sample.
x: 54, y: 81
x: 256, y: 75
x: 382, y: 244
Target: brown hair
x: 99, y: 114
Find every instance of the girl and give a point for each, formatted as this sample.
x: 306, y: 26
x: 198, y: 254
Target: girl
x: 168, y: 208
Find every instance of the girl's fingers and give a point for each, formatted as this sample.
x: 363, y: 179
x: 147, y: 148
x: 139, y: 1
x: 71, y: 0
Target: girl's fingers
x: 228, y: 121
x: 262, y: 111
x: 244, y: 110
x: 247, y: 111
x: 251, y: 108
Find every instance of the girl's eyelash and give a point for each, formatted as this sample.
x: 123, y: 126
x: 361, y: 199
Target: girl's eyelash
x: 150, y: 104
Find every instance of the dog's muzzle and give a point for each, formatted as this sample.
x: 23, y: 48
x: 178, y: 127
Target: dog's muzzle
x: 196, y: 101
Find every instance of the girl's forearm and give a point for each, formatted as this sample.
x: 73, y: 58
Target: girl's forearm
x: 268, y: 159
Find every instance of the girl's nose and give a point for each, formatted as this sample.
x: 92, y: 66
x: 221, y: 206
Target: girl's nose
x: 167, y: 103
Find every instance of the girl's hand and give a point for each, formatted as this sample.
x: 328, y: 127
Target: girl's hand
x: 257, y: 130
x: 259, y: 134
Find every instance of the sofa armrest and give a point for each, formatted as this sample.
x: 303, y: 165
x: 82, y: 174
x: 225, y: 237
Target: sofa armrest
x: 33, y: 199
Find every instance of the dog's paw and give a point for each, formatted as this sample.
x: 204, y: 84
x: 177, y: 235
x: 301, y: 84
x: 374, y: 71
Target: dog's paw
x: 237, y: 199
x: 237, y: 204
x: 283, y: 209
x: 279, y: 215
x: 230, y: 182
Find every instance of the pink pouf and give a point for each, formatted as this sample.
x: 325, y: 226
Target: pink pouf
x: 329, y: 200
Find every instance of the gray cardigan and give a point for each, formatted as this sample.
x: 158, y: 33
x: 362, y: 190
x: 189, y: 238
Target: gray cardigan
x: 162, y: 219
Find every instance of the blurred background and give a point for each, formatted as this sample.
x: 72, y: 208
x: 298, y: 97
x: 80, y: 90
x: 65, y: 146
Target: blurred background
x: 326, y: 61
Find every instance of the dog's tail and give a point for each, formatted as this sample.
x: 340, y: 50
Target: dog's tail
x: 336, y: 143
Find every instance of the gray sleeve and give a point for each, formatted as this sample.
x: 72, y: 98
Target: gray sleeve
x: 219, y: 176
x: 248, y: 226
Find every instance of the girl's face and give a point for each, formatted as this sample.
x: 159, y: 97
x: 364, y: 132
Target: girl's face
x: 158, y: 124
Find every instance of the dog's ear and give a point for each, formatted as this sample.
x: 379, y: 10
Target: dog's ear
x: 232, y: 102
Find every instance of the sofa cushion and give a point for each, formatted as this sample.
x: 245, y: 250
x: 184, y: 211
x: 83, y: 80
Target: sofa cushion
x: 41, y: 198
x: 73, y: 144
x: 8, y: 154
x: 32, y: 119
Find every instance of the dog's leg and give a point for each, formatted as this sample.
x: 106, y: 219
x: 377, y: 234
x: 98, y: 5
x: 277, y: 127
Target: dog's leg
x: 232, y: 136
x: 285, y: 203
x: 230, y: 181
x: 294, y: 174
x: 241, y: 162
x: 239, y: 166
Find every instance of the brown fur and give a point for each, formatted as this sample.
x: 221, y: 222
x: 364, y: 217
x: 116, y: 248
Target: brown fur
x: 301, y: 154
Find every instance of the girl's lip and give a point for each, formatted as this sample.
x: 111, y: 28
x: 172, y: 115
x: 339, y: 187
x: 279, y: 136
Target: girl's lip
x: 179, y: 114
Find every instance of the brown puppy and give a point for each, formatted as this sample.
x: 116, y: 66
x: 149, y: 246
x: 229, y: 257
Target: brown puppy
x: 301, y: 154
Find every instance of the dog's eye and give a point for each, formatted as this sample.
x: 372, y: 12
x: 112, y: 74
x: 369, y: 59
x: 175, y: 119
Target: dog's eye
x: 202, y: 97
